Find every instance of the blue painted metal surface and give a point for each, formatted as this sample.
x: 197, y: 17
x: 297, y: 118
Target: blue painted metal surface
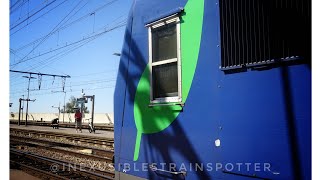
x: 260, y: 116
x: 166, y: 14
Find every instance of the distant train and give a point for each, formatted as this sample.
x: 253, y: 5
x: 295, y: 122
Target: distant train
x: 215, y: 89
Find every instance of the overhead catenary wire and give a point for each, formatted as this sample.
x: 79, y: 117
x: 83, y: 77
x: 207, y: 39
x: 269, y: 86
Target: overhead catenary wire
x: 69, y: 86
x: 68, y: 25
x: 89, y: 81
x: 45, y: 74
x: 47, y: 86
x: 69, y: 44
x: 29, y: 16
x: 30, y: 11
x: 61, y: 54
x: 121, y: 24
x: 16, y: 83
x: 79, y: 83
x: 55, y: 56
x: 30, y: 22
x: 53, y: 29
x: 14, y: 4
x: 39, y: 74
x: 16, y: 55
x: 68, y: 91
x: 45, y: 38
x: 14, y: 9
x: 49, y: 33
x: 43, y: 61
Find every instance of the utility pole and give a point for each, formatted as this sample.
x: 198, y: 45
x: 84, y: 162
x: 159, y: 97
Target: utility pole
x: 22, y: 107
x: 39, y: 75
x: 64, y: 106
x: 20, y: 99
x: 58, y: 110
x: 92, y: 111
x: 19, y: 111
x: 30, y: 77
x: 92, y: 108
x: 83, y: 100
x: 64, y: 103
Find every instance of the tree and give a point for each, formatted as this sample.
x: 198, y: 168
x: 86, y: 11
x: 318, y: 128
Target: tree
x: 73, y: 103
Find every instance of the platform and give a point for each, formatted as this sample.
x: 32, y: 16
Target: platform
x: 98, y: 126
x: 99, y: 133
x: 17, y: 175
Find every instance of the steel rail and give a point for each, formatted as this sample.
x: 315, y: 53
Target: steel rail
x: 95, y: 149
x: 73, y: 137
x: 107, y: 159
x: 47, y: 163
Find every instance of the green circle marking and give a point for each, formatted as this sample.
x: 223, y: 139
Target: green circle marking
x: 155, y: 119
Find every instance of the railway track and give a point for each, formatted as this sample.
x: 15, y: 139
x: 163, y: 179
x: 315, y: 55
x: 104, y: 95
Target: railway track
x: 73, y: 150
x: 36, y: 152
x: 92, y: 141
x: 48, y: 168
x: 80, y: 153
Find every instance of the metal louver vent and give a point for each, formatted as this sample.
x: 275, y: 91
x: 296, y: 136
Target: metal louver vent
x: 257, y: 32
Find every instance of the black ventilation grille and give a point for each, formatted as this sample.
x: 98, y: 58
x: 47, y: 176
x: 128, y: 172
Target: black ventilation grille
x: 263, y: 31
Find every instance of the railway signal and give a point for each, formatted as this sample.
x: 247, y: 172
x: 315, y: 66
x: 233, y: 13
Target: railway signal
x: 84, y: 99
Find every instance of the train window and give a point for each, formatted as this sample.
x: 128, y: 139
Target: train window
x: 164, y: 60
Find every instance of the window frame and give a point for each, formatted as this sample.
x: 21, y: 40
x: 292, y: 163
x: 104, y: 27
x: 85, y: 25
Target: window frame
x: 159, y: 23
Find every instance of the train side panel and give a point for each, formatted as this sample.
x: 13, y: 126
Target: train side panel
x: 234, y: 125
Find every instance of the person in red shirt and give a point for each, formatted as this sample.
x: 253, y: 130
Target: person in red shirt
x: 78, y: 119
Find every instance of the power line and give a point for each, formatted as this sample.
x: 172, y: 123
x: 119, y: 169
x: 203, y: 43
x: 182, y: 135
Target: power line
x: 51, y: 89
x: 32, y: 15
x: 74, y: 90
x: 51, y: 59
x: 61, y: 54
x: 37, y: 18
x: 68, y: 25
x: 45, y: 38
x: 80, y: 84
x: 27, y: 14
x: 39, y: 78
x: 21, y: 4
x: 11, y: 7
x: 77, y: 83
x: 33, y: 10
x: 13, y: 4
x: 15, y: 83
x: 42, y: 74
x: 45, y: 62
x: 94, y: 73
x: 70, y: 44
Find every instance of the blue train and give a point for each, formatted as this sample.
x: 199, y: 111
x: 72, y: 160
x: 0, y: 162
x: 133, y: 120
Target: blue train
x: 215, y: 89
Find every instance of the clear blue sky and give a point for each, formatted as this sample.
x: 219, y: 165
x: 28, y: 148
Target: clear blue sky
x: 65, y: 26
